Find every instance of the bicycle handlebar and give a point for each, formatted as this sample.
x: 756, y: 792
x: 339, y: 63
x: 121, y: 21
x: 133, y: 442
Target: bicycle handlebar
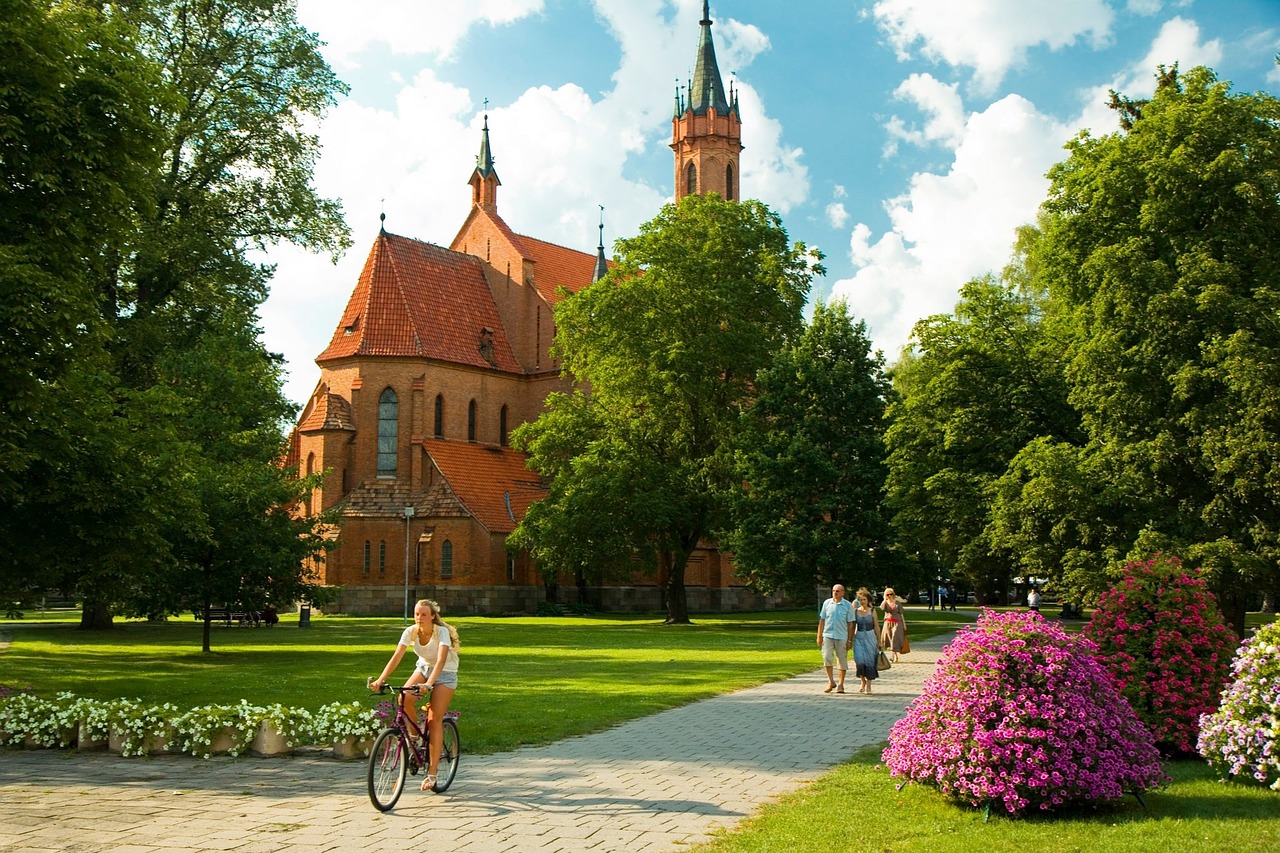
x: 415, y: 689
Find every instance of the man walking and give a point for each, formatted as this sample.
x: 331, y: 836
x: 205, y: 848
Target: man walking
x: 835, y: 636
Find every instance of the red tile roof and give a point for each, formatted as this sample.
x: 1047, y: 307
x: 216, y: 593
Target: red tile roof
x: 420, y: 300
x: 555, y: 267
x: 493, y: 483
x: 326, y: 411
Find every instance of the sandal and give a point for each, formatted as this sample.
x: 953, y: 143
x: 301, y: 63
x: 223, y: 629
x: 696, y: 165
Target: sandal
x: 429, y: 782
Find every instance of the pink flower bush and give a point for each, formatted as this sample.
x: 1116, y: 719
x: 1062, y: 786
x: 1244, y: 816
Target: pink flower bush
x: 1241, y: 739
x: 1161, y: 636
x: 1019, y: 715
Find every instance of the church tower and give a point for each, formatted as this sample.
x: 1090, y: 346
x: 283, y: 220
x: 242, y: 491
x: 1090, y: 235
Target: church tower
x: 706, y: 131
x: 484, y: 180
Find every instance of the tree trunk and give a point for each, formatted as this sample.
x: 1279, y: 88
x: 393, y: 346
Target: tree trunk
x: 1232, y: 604
x: 205, y: 636
x: 677, y: 597
x: 95, y: 616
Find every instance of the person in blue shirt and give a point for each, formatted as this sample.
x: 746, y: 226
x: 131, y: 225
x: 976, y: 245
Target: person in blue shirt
x: 835, y: 636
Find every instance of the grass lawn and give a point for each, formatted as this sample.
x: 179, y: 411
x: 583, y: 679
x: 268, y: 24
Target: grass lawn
x: 857, y: 808
x: 523, y: 680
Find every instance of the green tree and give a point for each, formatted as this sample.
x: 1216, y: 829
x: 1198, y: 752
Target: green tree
x: 237, y: 86
x: 979, y: 385
x: 1160, y: 246
x: 811, y: 453
x: 665, y: 349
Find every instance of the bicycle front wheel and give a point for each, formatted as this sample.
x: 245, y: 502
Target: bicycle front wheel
x: 448, y: 767
x: 388, y: 766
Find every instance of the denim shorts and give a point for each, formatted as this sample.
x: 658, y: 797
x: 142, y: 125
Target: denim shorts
x: 444, y: 679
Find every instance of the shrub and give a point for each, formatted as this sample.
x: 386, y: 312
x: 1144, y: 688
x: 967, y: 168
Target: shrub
x: 1019, y: 715
x: 1241, y: 739
x: 1161, y: 636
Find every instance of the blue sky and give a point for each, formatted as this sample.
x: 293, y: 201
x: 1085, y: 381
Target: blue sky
x: 905, y: 138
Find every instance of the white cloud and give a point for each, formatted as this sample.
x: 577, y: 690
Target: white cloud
x: 989, y: 36
x: 837, y: 216
x: 942, y: 105
x: 1178, y: 41
x: 948, y: 228
x: 404, y: 26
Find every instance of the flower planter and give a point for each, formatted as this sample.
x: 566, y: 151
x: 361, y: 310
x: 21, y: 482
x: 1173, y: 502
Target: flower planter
x: 223, y: 742
x: 86, y: 742
x: 267, y: 741
x: 352, y: 747
x: 151, y: 745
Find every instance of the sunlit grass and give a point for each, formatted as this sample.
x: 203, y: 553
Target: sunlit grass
x: 523, y: 680
x: 857, y: 807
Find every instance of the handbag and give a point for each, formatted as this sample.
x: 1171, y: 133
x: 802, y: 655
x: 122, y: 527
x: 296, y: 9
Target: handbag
x: 883, y: 663
x: 906, y: 643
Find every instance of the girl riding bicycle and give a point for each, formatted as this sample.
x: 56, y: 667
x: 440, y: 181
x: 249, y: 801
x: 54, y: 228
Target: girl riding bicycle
x: 436, y: 644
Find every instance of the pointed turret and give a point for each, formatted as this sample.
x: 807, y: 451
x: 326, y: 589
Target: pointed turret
x: 706, y: 131
x: 484, y: 180
x: 602, y: 263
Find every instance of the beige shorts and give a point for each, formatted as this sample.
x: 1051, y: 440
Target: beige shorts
x: 835, y: 650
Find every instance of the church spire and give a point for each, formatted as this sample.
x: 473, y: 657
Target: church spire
x: 706, y: 131
x: 707, y: 88
x: 602, y: 264
x: 484, y: 180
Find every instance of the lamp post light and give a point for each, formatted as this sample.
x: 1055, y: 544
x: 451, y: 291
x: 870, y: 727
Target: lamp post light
x: 408, y: 514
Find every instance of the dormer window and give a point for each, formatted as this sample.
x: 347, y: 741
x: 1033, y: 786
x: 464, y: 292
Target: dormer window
x: 486, y: 346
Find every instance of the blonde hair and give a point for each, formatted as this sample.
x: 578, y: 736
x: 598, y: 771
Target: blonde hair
x: 863, y: 594
x: 888, y: 591
x: 436, y: 620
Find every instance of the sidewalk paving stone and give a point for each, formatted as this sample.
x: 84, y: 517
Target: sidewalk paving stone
x: 654, y: 784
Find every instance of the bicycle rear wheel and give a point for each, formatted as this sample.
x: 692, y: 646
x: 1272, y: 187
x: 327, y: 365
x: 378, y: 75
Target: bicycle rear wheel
x: 388, y: 766
x: 448, y: 767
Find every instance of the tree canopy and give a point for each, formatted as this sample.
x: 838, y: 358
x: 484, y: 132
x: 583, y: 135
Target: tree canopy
x: 812, y: 457
x: 1155, y: 274
x: 664, y: 350
x: 154, y: 144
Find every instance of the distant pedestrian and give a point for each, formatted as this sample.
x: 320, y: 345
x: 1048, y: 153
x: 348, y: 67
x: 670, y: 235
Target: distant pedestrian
x: 942, y: 597
x: 866, y: 648
x: 951, y: 596
x: 835, y: 636
x: 895, y: 625
x: 1033, y: 600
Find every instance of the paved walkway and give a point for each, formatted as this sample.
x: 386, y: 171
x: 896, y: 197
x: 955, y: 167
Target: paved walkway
x: 654, y: 784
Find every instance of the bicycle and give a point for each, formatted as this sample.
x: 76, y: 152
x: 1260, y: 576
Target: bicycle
x: 402, y: 748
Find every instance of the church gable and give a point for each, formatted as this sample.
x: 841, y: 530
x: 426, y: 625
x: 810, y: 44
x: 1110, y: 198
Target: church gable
x: 415, y: 299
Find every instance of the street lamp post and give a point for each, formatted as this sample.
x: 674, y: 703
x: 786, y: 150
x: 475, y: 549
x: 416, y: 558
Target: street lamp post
x: 408, y: 514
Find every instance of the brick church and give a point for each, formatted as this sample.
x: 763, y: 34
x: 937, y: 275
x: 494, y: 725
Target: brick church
x: 440, y: 354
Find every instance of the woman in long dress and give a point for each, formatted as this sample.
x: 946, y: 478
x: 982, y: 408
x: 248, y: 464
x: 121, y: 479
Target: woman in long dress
x: 895, y: 629
x: 866, y: 649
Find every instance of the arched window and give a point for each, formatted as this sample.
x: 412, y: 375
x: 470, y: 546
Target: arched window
x: 502, y: 427
x: 471, y: 421
x: 388, y: 424
x: 366, y: 556
x: 691, y: 180
x: 439, y: 416
x: 382, y: 557
x: 728, y: 182
x: 311, y: 469
x: 446, y: 559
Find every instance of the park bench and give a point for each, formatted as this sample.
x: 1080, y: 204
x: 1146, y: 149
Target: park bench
x: 227, y: 616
